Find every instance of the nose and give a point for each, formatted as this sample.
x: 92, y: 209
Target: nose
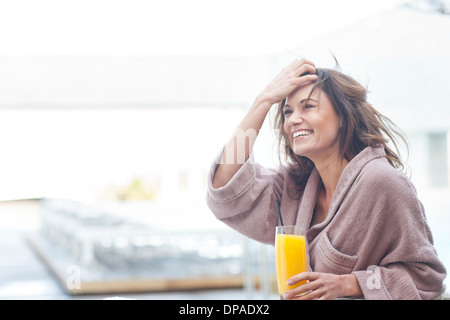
x: 295, y: 119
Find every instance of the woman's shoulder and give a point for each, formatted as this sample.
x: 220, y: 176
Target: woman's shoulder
x: 381, y: 175
x: 389, y: 193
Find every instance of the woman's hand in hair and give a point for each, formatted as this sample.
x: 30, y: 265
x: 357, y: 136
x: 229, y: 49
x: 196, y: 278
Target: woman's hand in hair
x: 297, y: 73
x: 241, y: 143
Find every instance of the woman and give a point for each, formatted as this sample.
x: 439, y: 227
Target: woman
x: 365, y: 227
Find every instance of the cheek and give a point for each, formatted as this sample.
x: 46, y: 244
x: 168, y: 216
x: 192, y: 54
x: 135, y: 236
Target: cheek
x: 285, y: 126
x: 332, y: 132
x: 328, y: 129
x: 285, y: 132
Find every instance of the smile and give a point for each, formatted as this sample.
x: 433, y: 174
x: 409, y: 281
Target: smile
x: 301, y: 133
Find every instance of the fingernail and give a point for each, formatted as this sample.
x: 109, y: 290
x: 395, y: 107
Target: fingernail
x: 286, y: 296
x: 290, y: 282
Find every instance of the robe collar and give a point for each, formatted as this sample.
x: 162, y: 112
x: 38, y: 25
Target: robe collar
x: 311, y: 192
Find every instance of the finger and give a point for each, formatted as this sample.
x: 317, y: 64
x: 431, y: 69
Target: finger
x: 306, y: 62
x: 303, y: 276
x: 305, y: 68
x: 297, y: 63
x: 303, y: 290
x: 314, y: 289
x: 311, y: 295
x: 310, y: 77
x: 303, y: 61
x: 304, y: 80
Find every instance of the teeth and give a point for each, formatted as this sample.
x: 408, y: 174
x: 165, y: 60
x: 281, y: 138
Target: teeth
x: 301, y: 133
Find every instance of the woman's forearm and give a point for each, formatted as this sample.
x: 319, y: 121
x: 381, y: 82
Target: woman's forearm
x: 240, y: 145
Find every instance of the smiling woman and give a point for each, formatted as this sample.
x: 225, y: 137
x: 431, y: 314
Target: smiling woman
x: 337, y: 103
x: 366, y: 229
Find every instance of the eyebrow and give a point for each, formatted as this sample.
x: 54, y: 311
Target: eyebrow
x: 301, y: 101
x: 308, y: 99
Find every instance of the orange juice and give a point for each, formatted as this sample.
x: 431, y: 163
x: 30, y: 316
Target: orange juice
x: 290, y: 259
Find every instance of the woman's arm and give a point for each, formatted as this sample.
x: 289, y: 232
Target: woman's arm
x: 241, y: 143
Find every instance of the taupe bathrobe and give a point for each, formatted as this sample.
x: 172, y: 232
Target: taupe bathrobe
x: 375, y: 227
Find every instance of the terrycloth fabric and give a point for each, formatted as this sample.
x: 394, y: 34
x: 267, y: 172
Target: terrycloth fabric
x: 375, y: 227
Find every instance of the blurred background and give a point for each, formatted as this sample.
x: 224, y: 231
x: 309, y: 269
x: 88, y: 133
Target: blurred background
x: 111, y: 113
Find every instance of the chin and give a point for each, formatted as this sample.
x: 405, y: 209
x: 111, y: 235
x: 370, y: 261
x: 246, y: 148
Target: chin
x: 301, y: 152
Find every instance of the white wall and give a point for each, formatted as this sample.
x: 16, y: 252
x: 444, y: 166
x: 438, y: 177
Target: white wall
x: 96, y: 81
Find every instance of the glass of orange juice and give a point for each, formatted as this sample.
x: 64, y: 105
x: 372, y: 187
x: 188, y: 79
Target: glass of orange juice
x: 290, y: 250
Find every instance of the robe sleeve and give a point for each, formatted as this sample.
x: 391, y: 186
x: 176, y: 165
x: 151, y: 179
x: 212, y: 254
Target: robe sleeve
x: 401, y: 240
x: 247, y: 202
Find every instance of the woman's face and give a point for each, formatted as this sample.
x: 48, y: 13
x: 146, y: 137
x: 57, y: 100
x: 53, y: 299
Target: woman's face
x: 311, y: 125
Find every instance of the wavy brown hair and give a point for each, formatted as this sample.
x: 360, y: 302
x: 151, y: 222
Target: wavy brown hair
x: 362, y: 126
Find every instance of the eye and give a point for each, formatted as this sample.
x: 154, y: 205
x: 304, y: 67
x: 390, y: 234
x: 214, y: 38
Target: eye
x: 308, y: 106
x: 287, y: 112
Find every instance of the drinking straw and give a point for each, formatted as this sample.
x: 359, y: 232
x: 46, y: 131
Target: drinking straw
x: 279, y: 212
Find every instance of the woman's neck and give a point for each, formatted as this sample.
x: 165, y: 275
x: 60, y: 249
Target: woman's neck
x: 330, y: 170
